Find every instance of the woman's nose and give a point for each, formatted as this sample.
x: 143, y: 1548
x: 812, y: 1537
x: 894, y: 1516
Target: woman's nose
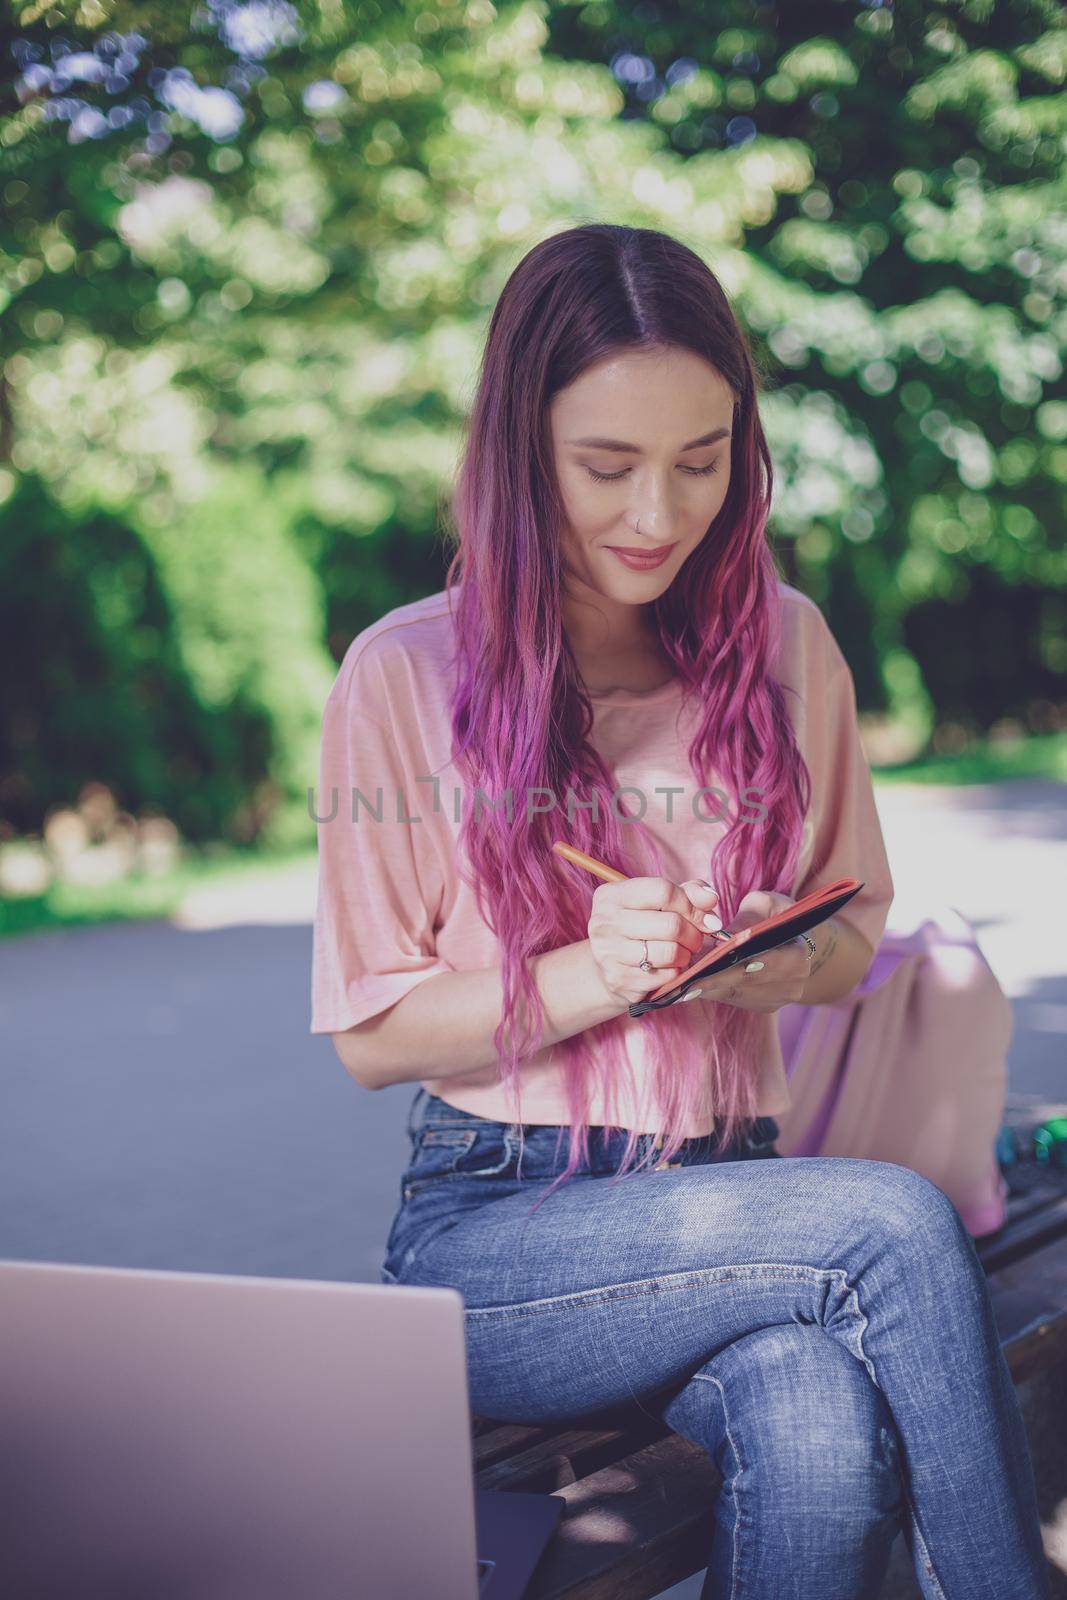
x: 660, y: 530
x: 653, y: 511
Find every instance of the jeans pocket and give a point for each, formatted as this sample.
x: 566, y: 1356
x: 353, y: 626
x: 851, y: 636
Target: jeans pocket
x: 443, y: 1154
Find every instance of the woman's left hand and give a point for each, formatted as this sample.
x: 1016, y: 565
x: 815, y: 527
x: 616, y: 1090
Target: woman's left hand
x: 785, y: 970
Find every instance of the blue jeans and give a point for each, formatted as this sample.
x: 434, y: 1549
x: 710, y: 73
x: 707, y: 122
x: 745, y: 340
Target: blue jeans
x: 820, y: 1325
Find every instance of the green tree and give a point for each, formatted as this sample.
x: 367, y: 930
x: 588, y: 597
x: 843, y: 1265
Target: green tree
x: 249, y: 251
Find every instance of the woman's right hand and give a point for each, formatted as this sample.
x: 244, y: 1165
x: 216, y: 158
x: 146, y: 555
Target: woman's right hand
x: 654, y: 910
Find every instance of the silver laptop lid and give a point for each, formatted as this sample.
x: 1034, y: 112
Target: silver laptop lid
x: 203, y: 1437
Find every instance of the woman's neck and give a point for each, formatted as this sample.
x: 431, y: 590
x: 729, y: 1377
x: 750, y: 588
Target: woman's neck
x: 615, y: 646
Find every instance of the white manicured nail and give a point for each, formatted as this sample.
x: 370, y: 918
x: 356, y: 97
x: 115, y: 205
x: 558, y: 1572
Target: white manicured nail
x: 691, y: 994
x: 754, y: 966
x: 712, y: 921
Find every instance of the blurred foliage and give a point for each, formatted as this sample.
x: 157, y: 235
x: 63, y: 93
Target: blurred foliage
x: 247, y: 257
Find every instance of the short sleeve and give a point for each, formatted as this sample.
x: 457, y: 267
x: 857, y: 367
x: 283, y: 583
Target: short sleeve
x: 373, y: 937
x: 848, y: 841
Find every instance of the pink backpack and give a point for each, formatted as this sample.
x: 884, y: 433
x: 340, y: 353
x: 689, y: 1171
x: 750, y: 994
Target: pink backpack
x: 911, y: 1067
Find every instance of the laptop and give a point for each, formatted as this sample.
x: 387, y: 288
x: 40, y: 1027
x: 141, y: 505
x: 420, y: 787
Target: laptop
x: 193, y: 1436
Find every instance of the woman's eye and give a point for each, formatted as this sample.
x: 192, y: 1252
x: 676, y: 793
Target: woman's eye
x: 613, y: 477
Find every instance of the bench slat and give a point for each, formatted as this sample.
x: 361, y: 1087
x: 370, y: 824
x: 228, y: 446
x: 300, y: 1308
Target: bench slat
x: 1031, y: 1187
x: 1030, y: 1299
x: 569, y: 1455
x: 634, y: 1528
x: 494, y: 1441
x: 1022, y: 1235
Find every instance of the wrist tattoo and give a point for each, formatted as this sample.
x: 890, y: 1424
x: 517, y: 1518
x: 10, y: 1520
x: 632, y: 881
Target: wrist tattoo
x: 821, y: 957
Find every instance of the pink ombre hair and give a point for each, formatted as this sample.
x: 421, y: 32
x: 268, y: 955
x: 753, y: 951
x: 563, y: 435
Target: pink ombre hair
x: 520, y: 716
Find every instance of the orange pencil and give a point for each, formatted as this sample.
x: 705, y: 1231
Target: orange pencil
x: 590, y: 863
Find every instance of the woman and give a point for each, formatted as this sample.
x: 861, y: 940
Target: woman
x: 821, y: 1326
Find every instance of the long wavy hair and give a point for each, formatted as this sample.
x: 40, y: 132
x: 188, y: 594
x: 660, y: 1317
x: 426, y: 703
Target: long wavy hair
x: 521, y: 718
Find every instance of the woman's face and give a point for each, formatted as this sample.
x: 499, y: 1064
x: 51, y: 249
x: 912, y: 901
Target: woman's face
x: 642, y: 455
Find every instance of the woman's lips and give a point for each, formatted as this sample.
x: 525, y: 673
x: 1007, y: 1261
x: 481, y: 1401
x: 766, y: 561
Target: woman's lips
x: 640, y: 560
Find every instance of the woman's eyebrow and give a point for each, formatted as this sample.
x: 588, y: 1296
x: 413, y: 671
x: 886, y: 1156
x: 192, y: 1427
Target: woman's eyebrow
x: 635, y: 449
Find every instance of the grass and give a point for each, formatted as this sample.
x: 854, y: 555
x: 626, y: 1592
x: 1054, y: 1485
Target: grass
x: 987, y: 761
x: 141, y: 895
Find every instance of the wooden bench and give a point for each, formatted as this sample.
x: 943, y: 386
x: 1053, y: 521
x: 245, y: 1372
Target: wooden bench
x: 638, y: 1495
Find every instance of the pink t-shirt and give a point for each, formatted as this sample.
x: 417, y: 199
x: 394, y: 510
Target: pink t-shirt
x: 393, y: 911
